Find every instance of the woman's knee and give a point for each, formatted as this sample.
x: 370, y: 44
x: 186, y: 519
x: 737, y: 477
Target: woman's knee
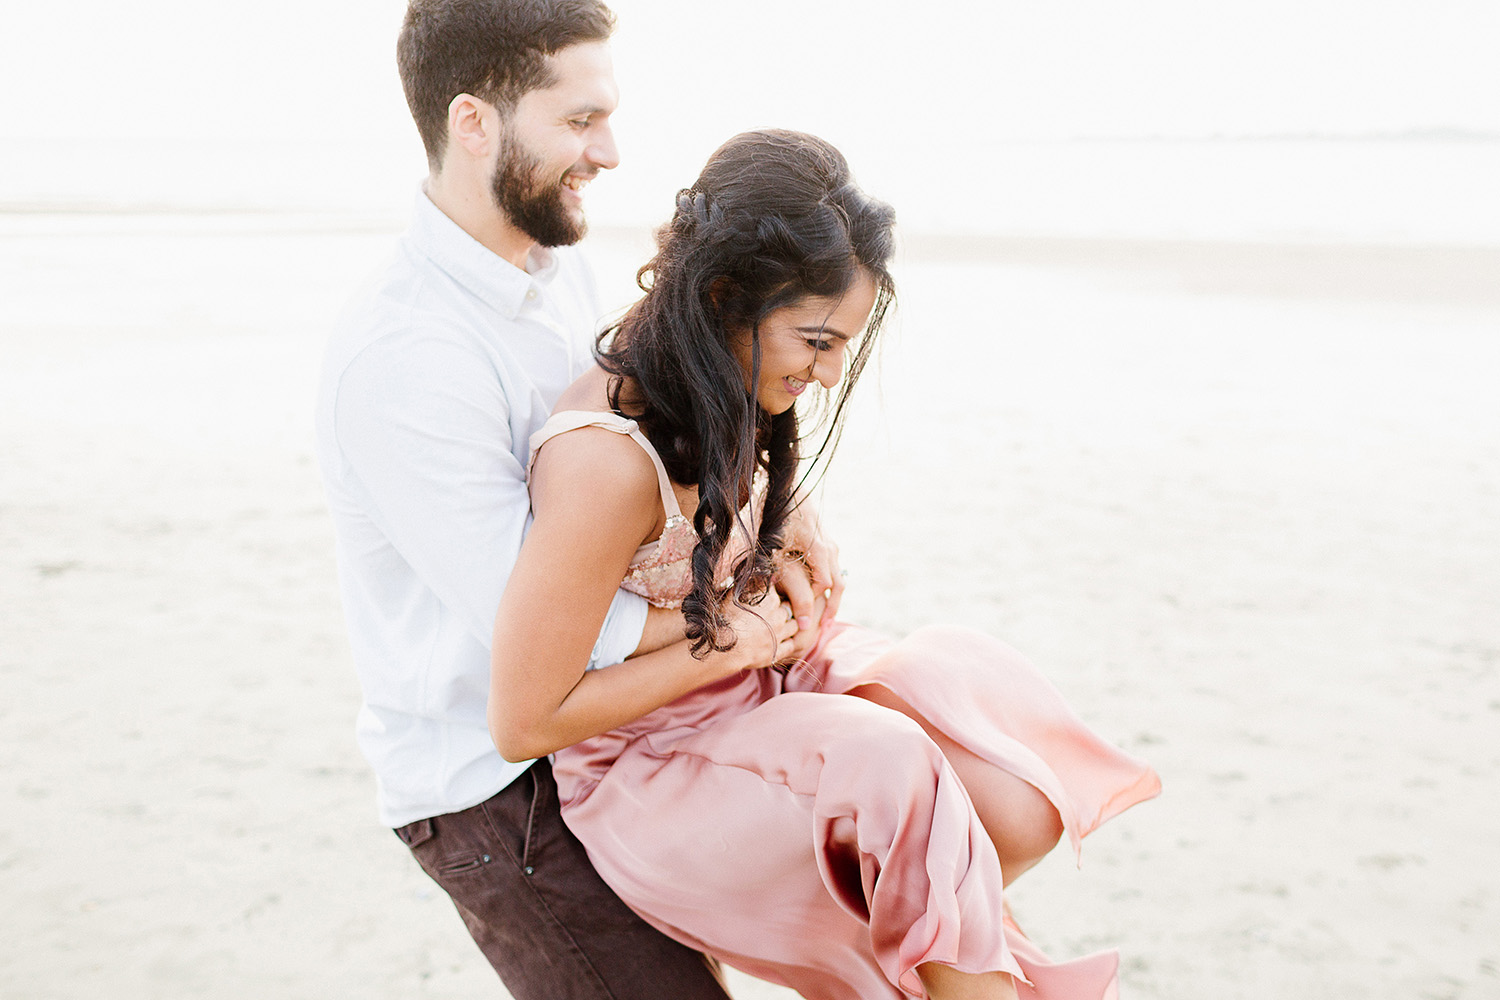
x: 1021, y: 821
x: 1024, y: 826
x: 880, y: 741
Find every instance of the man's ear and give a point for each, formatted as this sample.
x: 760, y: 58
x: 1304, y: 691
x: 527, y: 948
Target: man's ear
x: 474, y: 126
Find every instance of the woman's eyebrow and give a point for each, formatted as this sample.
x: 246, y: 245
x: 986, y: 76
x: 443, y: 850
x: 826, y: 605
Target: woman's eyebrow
x: 820, y: 329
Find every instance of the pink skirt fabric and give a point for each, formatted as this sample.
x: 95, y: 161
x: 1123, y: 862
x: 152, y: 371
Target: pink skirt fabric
x: 820, y: 841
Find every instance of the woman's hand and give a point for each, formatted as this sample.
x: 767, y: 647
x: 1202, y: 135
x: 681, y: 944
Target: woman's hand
x: 794, y: 579
x: 755, y: 627
x: 764, y: 634
x: 810, y: 576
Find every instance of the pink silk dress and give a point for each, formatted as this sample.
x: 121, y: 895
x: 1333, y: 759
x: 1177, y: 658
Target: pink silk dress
x: 818, y: 840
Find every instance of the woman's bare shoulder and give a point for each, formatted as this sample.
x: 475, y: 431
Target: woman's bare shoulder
x: 594, y: 472
x: 599, y: 477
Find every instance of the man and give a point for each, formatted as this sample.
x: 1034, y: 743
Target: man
x: 432, y: 386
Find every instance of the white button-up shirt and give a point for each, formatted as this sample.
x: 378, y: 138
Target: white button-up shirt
x: 432, y: 385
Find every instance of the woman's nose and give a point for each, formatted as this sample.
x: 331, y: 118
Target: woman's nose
x: 828, y: 369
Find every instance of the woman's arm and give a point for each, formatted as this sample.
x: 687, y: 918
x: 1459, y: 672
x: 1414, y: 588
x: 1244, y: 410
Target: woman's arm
x: 595, y: 498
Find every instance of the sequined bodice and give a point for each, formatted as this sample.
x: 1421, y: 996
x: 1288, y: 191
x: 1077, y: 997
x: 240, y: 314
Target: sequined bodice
x: 660, y: 571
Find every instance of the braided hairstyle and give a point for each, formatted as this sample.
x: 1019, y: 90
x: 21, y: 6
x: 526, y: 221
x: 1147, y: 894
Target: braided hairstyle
x: 774, y: 218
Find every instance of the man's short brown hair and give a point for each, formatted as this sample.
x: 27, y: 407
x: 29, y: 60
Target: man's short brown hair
x: 494, y: 49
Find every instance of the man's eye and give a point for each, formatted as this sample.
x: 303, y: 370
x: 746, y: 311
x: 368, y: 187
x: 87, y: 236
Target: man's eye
x: 579, y: 123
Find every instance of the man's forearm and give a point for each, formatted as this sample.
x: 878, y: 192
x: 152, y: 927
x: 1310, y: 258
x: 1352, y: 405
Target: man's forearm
x: 664, y: 626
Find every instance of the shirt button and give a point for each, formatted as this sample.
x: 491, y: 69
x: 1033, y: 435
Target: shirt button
x: 531, y: 294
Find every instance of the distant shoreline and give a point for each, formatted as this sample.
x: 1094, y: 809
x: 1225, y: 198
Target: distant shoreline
x: 1379, y: 270
x: 1383, y: 270
x: 1430, y: 187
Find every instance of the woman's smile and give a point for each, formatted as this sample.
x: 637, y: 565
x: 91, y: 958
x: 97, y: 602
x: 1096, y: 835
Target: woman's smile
x: 806, y: 342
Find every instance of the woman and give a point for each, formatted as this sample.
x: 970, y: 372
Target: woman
x: 843, y: 826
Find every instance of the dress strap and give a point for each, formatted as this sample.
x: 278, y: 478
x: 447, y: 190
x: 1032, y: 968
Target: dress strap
x: 571, y: 420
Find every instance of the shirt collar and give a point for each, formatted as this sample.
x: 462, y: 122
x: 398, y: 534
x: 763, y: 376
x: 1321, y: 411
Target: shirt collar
x: 484, y: 273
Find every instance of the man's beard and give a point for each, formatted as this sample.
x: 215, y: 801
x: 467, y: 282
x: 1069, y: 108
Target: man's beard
x: 533, y: 206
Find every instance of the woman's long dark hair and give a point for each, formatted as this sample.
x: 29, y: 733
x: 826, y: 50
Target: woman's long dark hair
x: 774, y: 218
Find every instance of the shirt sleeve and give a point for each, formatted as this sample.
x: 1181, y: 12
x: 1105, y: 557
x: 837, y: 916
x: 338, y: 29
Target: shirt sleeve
x: 423, y: 427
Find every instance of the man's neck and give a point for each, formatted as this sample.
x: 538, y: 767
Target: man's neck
x: 473, y: 209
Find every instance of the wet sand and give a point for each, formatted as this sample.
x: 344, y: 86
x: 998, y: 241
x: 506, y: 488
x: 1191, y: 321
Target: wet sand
x: 1242, y: 502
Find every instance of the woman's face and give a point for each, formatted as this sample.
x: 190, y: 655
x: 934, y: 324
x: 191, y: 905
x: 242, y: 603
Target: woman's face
x: 807, y: 342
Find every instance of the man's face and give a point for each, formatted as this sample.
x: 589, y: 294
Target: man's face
x: 555, y: 141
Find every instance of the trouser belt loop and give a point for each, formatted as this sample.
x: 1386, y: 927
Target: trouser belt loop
x: 536, y: 798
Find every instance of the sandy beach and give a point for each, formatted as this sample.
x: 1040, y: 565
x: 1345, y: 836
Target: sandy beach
x: 1240, y: 501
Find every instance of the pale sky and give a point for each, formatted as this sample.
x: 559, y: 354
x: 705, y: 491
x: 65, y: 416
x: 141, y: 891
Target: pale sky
x: 923, y: 97
x: 300, y: 69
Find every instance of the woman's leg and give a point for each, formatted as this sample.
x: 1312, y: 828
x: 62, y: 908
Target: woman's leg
x: 1020, y: 820
x: 818, y: 841
x: 945, y: 983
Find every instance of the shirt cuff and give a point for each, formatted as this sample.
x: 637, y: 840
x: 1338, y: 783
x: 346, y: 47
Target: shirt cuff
x: 624, y: 625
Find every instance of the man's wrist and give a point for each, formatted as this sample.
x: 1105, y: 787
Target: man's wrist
x: 663, y: 628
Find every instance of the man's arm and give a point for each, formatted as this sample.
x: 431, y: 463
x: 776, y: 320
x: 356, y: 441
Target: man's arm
x: 422, y: 424
x: 664, y: 627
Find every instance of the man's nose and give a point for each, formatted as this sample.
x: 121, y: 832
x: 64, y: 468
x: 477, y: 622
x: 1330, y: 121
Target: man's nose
x: 602, y: 151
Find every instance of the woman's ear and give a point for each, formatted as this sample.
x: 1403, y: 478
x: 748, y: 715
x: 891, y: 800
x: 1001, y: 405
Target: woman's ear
x: 718, y: 290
